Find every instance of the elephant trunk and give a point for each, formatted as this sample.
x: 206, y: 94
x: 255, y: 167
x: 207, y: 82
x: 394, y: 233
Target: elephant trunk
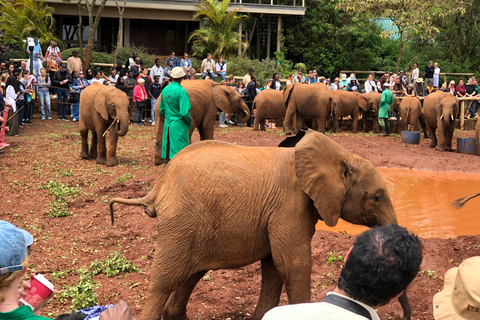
x: 122, y: 125
x: 145, y: 202
x: 243, y: 113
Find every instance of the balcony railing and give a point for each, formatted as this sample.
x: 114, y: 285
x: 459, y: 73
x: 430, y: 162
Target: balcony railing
x: 290, y: 3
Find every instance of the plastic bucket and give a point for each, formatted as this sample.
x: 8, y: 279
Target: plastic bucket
x: 411, y: 137
x: 467, y: 145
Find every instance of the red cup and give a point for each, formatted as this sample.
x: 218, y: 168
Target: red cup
x: 40, y: 289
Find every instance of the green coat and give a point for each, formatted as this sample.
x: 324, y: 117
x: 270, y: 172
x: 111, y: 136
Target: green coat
x: 175, y: 107
x: 385, y: 102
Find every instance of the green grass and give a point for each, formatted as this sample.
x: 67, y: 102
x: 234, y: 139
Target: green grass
x: 62, y: 192
x: 333, y: 257
x: 125, y: 177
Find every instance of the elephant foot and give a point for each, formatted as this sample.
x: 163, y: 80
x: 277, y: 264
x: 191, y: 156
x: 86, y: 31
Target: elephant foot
x: 159, y: 161
x: 437, y: 148
x: 432, y: 145
x: 111, y: 162
x: 287, y: 132
x: 354, y: 131
x: 263, y: 129
x: 255, y: 128
x: 101, y: 160
x: 84, y: 155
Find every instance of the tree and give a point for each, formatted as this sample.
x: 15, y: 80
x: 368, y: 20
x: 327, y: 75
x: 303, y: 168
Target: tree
x: 27, y: 18
x: 218, y: 35
x: 413, y: 19
x: 120, y: 30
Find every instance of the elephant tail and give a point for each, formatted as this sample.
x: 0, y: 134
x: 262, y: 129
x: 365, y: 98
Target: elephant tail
x: 460, y: 202
x: 144, y: 202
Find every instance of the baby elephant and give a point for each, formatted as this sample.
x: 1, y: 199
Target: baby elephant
x: 268, y: 104
x: 411, y: 113
x: 220, y: 205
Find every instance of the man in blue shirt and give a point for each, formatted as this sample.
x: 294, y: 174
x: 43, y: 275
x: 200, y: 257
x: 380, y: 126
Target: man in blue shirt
x: 174, y: 59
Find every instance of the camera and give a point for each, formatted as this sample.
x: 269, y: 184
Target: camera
x: 209, y: 71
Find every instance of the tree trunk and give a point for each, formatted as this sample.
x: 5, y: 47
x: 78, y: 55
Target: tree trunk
x: 92, y: 26
x: 120, y: 31
x: 80, y: 31
x: 401, y: 48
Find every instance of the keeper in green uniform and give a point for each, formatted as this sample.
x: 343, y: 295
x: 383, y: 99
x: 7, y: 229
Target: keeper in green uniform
x: 384, y: 109
x: 175, y: 107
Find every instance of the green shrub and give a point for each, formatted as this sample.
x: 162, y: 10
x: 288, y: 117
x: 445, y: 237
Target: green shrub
x: 113, y: 264
x: 83, y: 293
x: 125, y: 53
x: 62, y: 192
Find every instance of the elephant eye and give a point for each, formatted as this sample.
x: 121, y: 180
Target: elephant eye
x: 378, y: 198
x: 113, y: 106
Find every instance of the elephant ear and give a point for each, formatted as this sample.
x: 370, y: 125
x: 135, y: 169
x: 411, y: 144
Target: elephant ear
x: 100, y: 103
x: 222, y: 98
x: 362, y: 102
x: 287, y: 94
x: 322, y: 168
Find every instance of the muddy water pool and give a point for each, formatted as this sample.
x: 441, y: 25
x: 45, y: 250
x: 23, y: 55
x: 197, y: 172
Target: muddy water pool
x: 422, y: 202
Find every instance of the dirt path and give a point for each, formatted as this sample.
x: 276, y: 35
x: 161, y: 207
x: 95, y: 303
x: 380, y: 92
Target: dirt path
x: 47, y: 153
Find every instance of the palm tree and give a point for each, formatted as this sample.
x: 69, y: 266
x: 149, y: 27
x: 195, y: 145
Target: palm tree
x: 219, y: 35
x: 20, y: 19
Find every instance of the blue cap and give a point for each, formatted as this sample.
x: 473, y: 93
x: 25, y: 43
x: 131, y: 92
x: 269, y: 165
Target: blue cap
x: 13, y: 247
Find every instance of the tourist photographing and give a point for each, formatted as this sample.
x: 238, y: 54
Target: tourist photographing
x: 208, y: 67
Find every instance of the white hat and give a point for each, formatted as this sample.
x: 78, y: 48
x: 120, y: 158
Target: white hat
x: 177, y: 73
x: 460, y: 297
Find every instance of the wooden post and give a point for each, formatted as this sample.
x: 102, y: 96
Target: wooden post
x: 279, y: 32
x: 444, y: 80
x: 462, y: 114
x: 259, y: 38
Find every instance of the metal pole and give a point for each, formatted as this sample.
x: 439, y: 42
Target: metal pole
x: 269, y: 35
x: 279, y: 32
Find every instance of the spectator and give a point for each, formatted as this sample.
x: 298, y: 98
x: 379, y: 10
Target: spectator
x: 393, y: 79
x: 384, y: 109
x: 241, y: 88
x: 311, y: 78
x: 402, y: 77
x: 185, y: 64
x: 9, y: 68
x: 370, y: 84
x: 429, y: 71
x: 409, y: 74
x: 192, y: 73
x: 174, y: 59
x: 328, y: 82
x: 74, y: 63
x: 84, y: 82
x: 276, y: 84
x: 154, y: 93
x: 99, y: 77
x: 444, y: 87
x: 477, y: 94
x: 120, y: 70
x: 378, y: 269
x: 460, y: 89
x: 451, y: 88
x: 44, y: 82
x: 113, y: 78
x: 136, y: 67
x: 23, y: 66
x: 429, y: 89
x: 175, y: 107
x: 221, y: 68
x: 408, y: 91
x: 53, y: 48
x: 208, y: 66
x: 21, y: 98
x: 14, y: 261
x: 3, y: 116
x: 398, y: 89
x: 416, y: 72
x: 299, y: 78
x: 53, y: 63
x: 4, y: 56
x: 140, y: 101
x: 121, y: 85
x: 13, y: 87
x: 37, y: 64
x: 62, y: 80
x: 37, y: 48
x: 130, y: 83
x: 168, y: 69
x: 187, y: 75
x: 290, y: 79
x: 250, y: 96
x: 353, y: 85
x: 436, y: 75
x: 148, y: 81
x: 418, y: 87
x: 248, y: 77
x: 344, y: 82
x: 315, y: 74
x: 157, y: 70
x: 89, y: 76
x: 380, y: 83
x: 77, y: 87
x: 469, y: 92
x: 131, y: 61
x: 335, y: 85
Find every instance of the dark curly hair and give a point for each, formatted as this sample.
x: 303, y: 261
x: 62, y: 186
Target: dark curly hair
x: 382, y: 263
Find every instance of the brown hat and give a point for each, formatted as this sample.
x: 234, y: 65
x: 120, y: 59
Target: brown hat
x: 460, y: 297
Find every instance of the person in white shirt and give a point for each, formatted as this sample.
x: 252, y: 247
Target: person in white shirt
x: 157, y: 70
x: 335, y: 85
x: 207, y: 68
x: 221, y: 68
x: 415, y: 73
x: 113, y: 78
x: 370, y: 84
x: 378, y: 268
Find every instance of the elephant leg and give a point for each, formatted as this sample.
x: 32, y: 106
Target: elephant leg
x: 376, y: 127
x: 448, y: 138
x: 84, y: 135
x: 206, y: 131
x: 407, y: 310
x: 289, y: 116
x: 299, y: 122
x: 272, y: 284
x: 101, y: 148
x: 93, y: 146
x: 112, y: 148
x: 320, y: 121
x: 355, y: 120
x: 176, y: 306
x: 433, y: 137
x: 262, y: 125
x: 424, y: 126
x: 365, y: 116
x: 256, y: 122
x: 441, y: 136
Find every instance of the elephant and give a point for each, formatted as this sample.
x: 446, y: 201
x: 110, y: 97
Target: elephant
x: 440, y: 110
x: 348, y: 103
x: 307, y: 100
x: 268, y: 104
x: 100, y: 107
x: 410, y: 111
x: 220, y: 205
x: 373, y: 102
x: 206, y: 97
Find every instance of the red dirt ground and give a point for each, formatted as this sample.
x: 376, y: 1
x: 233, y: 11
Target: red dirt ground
x: 49, y: 150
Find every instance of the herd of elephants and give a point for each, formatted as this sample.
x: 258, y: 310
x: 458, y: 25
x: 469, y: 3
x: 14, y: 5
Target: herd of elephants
x: 219, y: 205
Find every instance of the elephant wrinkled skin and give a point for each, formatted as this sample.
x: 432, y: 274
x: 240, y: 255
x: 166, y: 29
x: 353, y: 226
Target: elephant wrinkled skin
x: 411, y: 113
x: 346, y: 104
x: 206, y: 98
x: 440, y: 110
x: 99, y: 106
x: 268, y: 104
x: 220, y: 205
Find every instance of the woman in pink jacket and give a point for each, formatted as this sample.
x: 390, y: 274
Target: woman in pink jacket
x: 139, y: 101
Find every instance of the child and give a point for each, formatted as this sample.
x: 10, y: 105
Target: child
x: 14, y: 247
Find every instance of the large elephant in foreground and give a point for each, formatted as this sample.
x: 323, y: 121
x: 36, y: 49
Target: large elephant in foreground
x: 220, y: 205
x: 306, y: 100
x: 206, y: 98
x: 410, y: 111
x: 268, y: 104
x: 100, y: 106
x: 440, y: 110
x: 346, y: 104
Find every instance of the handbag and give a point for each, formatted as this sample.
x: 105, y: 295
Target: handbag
x: 74, y: 96
x: 141, y: 104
